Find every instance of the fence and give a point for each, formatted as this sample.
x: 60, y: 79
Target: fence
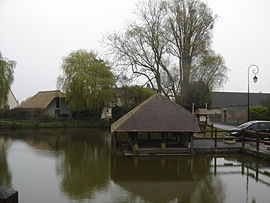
x: 245, y: 136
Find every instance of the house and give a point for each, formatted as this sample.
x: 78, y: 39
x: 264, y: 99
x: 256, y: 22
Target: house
x: 156, y: 126
x: 231, y: 107
x: 106, y: 113
x: 12, y: 102
x: 49, y: 102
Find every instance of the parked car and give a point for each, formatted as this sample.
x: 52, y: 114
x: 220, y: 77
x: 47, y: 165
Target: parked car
x: 258, y: 126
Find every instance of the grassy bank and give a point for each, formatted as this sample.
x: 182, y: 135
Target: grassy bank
x: 32, y: 124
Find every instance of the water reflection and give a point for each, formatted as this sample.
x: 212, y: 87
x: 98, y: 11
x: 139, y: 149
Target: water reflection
x: 84, y: 165
x: 183, y: 179
x: 5, y: 175
x: 76, y: 166
x: 82, y: 157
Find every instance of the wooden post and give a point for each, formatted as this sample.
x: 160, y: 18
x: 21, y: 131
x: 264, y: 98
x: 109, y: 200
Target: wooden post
x: 136, y: 137
x: 215, y: 137
x: 257, y: 141
x: 113, y: 143
x: 163, y: 145
x: 212, y: 129
x: 136, y: 146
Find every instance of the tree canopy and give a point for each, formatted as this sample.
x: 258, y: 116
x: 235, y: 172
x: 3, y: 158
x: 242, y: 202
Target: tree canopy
x: 130, y: 97
x: 170, y: 46
x: 6, y: 78
x: 87, y: 81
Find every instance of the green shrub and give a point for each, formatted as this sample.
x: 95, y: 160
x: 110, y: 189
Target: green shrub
x: 259, y: 113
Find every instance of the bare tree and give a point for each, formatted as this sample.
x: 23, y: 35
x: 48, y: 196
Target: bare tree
x: 142, y: 47
x: 170, y: 46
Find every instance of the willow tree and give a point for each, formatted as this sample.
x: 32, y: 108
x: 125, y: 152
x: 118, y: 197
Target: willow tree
x: 87, y: 81
x: 170, y: 46
x: 6, y: 78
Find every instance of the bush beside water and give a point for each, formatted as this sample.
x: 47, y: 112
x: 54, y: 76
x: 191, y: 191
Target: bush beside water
x: 28, y: 119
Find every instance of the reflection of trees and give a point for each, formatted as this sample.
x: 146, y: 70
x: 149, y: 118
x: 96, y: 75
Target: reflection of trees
x: 84, y: 165
x: 82, y: 157
x: 5, y: 175
x: 166, y: 179
x: 51, y: 140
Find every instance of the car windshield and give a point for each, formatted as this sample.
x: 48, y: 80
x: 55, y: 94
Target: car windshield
x: 244, y: 125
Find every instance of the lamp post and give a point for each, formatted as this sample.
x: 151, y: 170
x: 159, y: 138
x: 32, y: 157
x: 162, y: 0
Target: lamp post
x: 255, y: 70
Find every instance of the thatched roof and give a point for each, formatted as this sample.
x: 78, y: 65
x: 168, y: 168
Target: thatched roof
x: 156, y: 114
x: 202, y: 112
x: 41, y: 100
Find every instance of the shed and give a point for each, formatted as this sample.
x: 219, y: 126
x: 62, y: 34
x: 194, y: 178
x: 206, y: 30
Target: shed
x: 160, y: 117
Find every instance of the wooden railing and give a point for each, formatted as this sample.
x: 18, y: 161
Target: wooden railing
x: 215, y: 135
x: 203, y: 127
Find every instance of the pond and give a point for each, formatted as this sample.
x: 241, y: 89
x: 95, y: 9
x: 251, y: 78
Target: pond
x: 59, y: 166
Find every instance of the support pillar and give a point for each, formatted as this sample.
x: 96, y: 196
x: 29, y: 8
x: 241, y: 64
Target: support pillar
x: 163, y: 144
x: 149, y: 136
x: 135, y: 146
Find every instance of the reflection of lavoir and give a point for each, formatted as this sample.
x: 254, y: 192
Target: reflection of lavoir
x: 159, y: 179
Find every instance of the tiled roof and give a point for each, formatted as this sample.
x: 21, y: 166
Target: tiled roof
x: 157, y: 114
x: 202, y: 112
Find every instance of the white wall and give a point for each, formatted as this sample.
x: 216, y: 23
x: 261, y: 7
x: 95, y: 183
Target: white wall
x: 11, y: 100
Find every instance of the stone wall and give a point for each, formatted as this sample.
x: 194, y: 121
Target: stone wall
x: 234, y: 114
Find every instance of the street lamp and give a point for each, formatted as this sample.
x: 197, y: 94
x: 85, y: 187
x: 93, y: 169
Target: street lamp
x: 255, y: 71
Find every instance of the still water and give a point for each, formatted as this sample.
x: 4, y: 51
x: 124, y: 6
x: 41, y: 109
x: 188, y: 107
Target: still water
x: 60, y: 166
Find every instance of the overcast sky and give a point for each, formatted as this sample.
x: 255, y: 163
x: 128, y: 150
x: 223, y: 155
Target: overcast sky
x: 39, y: 33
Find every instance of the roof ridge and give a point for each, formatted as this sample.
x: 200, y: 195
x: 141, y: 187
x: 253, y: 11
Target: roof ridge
x: 50, y: 91
x: 133, y: 111
x: 168, y: 109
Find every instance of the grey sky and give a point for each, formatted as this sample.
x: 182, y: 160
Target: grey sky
x: 39, y: 33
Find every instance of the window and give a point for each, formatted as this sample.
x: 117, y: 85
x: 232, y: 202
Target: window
x: 264, y: 127
x: 57, y: 102
x: 57, y: 112
x: 254, y: 127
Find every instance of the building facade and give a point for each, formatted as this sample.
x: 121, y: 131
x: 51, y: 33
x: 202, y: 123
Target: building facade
x: 51, y: 103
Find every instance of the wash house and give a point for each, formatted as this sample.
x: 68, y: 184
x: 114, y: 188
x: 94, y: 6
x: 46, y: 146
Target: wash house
x: 155, y: 126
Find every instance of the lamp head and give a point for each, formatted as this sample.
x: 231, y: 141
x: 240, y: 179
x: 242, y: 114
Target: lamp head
x: 255, y: 79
